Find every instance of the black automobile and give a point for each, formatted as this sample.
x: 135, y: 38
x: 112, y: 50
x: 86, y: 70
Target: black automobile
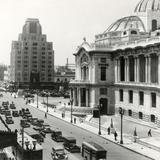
x: 70, y: 145
x: 15, y: 113
x: 57, y: 136
x: 24, y: 123
x: 38, y: 137
x: 9, y: 120
x: 7, y: 113
x: 58, y: 153
x: 12, y: 106
x: 47, y: 130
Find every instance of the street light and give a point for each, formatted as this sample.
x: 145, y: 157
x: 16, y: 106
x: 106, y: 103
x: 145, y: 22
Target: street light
x: 121, y: 112
x: 99, y: 107
x: 71, y: 102
x: 37, y: 98
x: 47, y: 102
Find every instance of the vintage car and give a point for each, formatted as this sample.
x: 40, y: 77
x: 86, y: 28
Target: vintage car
x: 58, y: 153
x: 70, y: 145
x: 9, y: 120
x: 47, y: 130
x: 38, y: 137
x: 2, y: 111
x: 57, y: 136
x: 24, y: 123
x: 12, y: 106
x: 7, y: 113
x: 15, y: 113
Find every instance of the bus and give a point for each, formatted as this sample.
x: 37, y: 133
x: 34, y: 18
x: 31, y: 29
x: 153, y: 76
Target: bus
x: 93, y: 151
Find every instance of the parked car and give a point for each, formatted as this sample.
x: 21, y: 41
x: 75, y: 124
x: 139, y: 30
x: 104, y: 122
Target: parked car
x: 9, y: 120
x: 24, y: 123
x: 15, y: 113
x: 5, y: 103
x: 58, y: 153
x: 38, y: 137
x: 70, y: 145
x: 57, y: 136
x: 37, y: 128
x: 47, y: 130
x: 12, y: 106
x: 7, y: 113
x: 2, y: 111
x: 42, y: 133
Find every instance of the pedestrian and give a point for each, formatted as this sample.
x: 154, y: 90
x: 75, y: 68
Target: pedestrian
x: 115, y: 135
x: 74, y: 120
x: 109, y: 130
x: 45, y: 116
x: 149, y: 133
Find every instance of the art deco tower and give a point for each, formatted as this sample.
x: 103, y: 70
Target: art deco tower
x: 32, y: 57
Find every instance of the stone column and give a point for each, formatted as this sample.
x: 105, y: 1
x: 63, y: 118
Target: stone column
x: 116, y: 70
x: 158, y: 68
x: 79, y: 97
x: 126, y: 69
x: 146, y: 69
x: 87, y: 97
x: 149, y: 69
x: 135, y: 69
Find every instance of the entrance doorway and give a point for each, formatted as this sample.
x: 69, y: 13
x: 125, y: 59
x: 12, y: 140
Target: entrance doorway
x: 104, y: 106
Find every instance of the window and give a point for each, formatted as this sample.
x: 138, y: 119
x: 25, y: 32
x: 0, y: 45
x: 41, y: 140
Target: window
x: 141, y: 98
x: 121, y: 95
x: 103, y: 91
x: 154, y: 24
x: 103, y: 73
x: 130, y: 112
x: 103, y: 60
x: 130, y: 96
x: 152, y: 118
x: 153, y: 99
x: 140, y: 115
x: 133, y: 32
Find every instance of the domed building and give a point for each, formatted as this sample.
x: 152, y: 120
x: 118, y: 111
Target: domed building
x: 122, y: 67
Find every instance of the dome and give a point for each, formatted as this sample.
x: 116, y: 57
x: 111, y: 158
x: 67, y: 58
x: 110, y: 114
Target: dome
x: 145, y: 5
x: 125, y: 23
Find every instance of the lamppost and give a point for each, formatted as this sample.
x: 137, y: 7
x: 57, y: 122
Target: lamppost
x: 47, y: 101
x: 71, y: 102
x: 99, y: 107
x: 121, y: 112
x: 37, y: 98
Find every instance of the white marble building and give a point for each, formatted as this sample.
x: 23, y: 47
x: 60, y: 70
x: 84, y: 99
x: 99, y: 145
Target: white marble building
x: 122, y: 67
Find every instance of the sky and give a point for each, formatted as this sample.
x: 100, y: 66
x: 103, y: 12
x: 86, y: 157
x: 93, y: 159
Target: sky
x: 65, y: 22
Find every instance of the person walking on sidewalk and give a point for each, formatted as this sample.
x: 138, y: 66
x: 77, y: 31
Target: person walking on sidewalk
x: 109, y: 130
x: 45, y: 116
x: 74, y: 120
x: 115, y: 135
x: 149, y: 133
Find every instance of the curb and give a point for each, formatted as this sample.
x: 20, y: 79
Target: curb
x: 99, y: 136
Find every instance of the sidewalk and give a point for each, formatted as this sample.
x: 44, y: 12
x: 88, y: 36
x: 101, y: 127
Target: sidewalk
x: 93, y: 127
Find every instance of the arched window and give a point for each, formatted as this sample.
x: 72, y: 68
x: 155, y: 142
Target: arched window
x: 154, y: 24
x: 133, y: 32
x: 140, y: 115
x: 152, y: 118
x: 130, y: 112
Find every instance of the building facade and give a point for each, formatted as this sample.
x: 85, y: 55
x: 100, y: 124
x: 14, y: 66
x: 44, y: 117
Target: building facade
x: 32, y: 57
x: 131, y: 47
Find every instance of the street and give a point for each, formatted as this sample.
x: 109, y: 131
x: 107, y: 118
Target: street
x: 114, y: 151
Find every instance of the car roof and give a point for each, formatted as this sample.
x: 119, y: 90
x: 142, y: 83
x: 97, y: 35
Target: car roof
x: 57, y: 147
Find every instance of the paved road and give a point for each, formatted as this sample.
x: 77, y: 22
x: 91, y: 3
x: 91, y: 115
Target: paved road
x: 115, y: 152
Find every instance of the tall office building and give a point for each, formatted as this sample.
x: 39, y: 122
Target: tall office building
x: 32, y: 57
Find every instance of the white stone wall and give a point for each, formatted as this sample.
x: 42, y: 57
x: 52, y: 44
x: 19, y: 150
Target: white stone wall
x: 146, y: 109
